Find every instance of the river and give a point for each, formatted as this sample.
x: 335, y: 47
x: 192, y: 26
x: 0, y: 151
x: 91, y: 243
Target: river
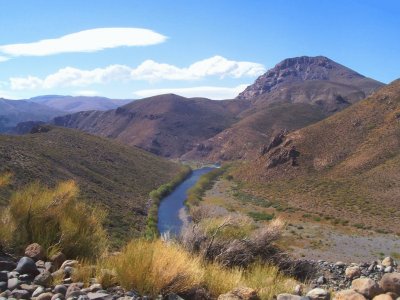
x: 171, y: 212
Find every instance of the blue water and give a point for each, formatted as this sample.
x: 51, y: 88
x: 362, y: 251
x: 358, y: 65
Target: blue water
x: 168, y: 212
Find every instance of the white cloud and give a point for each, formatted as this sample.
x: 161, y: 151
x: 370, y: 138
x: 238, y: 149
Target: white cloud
x: 86, y: 41
x: 3, y: 58
x: 148, y: 70
x: 212, y: 92
x: 88, y: 93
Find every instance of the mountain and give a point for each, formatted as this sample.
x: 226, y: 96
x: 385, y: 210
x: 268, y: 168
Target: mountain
x: 112, y: 175
x: 70, y: 104
x: 13, y: 112
x: 346, y: 166
x: 295, y: 93
x: 167, y: 125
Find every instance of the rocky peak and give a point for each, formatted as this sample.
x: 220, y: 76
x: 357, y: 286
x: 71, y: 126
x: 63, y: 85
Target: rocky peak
x: 299, y: 69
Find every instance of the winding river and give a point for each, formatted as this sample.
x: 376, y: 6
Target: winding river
x: 172, y: 210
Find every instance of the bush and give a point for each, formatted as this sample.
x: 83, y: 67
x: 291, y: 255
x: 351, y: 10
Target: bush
x: 154, y: 267
x: 54, y: 218
x: 157, y: 195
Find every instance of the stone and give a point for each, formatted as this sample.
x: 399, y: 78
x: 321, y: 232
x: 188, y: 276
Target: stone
x: 39, y: 290
x: 40, y: 264
x: 58, y: 259
x: 390, y: 282
x: 44, y: 279
x: 389, y: 269
x: 26, y: 265
x: 3, y: 286
x: 73, y: 290
x: 21, y: 294
x: 100, y: 296
x: 387, y: 262
x: 28, y: 287
x: 60, y: 289
x: 318, y: 294
x: 68, y: 271
x: 49, y: 266
x: 6, y: 265
x: 298, y: 290
x: 95, y: 287
x: 35, y: 251
x: 340, y: 264
x: 13, y: 283
x: 58, y: 297
x: 366, y: 286
x: 45, y: 296
x: 3, y: 276
x: 242, y: 293
x: 288, y: 297
x: 383, y: 297
x: 348, y: 295
x: 321, y: 280
x: 352, y: 272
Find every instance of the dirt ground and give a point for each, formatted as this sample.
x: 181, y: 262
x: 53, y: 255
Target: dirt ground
x: 311, y: 238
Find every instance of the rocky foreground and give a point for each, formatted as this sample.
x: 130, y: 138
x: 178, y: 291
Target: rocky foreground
x: 31, y: 277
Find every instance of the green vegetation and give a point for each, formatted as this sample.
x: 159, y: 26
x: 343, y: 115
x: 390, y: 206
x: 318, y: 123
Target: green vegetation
x: 260, y: 216
x: 112, y: 176
x: 204, y: 183
x: 157, y: 195
x: 55, y: 219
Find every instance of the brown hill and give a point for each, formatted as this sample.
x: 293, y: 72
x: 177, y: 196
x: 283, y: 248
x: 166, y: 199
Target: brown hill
x: 167, y: 125
x: 295, y: 93
x: 346, y: 166
x: 112, y: 175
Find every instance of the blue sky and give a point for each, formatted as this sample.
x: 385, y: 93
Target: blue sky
x: 132, y: 49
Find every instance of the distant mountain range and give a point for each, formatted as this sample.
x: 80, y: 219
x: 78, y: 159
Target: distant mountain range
x: 45, y: 108
x: 295, y: 93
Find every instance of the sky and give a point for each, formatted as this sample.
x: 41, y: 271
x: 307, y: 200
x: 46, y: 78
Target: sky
x: 131, y: 49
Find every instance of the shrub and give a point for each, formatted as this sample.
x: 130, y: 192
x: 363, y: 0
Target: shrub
x: 154, y: 267
x: 53, y: 218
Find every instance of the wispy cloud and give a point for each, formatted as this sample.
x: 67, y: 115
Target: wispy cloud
x: 148, y: 70
x: 3, y: 58
x: 85, y: 41
x: 212, y: 92
x: 88, y: 93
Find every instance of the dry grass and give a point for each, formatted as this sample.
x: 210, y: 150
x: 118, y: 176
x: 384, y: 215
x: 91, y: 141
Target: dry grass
x: 54, y: 218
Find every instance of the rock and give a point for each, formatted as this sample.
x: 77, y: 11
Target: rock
x: 391, y: 283
x: 3, y: 276
x: 288, y: 297
x: 242, y: 293
x: 68, y: 271
x: 13, y: 283
x: 39, y: 290
x: 389, y: 269
x: 49, y: 266
x: 352, y: 272
x: 3, y: 286
x: 28, y: 287
x: 348, y: 295
x: 387, y: 262
x: 35, y: 251
x: 69, y: 263
x: 321, y: 280
x: 95, y: 287
x: 58, y: 259
x: 58, y: 297
x: 366, y: 287
x: 20, y: 294
x: 298, y: 290
x: 73, y: 290
x: 340, y: 264
x: 103, y: 296
x: 44, y: 279
x: 83, y: 297
x: 383, y: 297
x: 6, y: 265
x: 26, y: 277
x: 45, y: 296
x: 60, y: 289
x: 26, y: 265
x: 318, y: 294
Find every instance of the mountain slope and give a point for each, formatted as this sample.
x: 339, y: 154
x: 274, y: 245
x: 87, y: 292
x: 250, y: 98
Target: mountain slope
x: 13, y: 112
x: 167, y: 125
x: 109, y: 174
x: 347, y: 165
x: 295, y: 93
x: 70, y: 104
